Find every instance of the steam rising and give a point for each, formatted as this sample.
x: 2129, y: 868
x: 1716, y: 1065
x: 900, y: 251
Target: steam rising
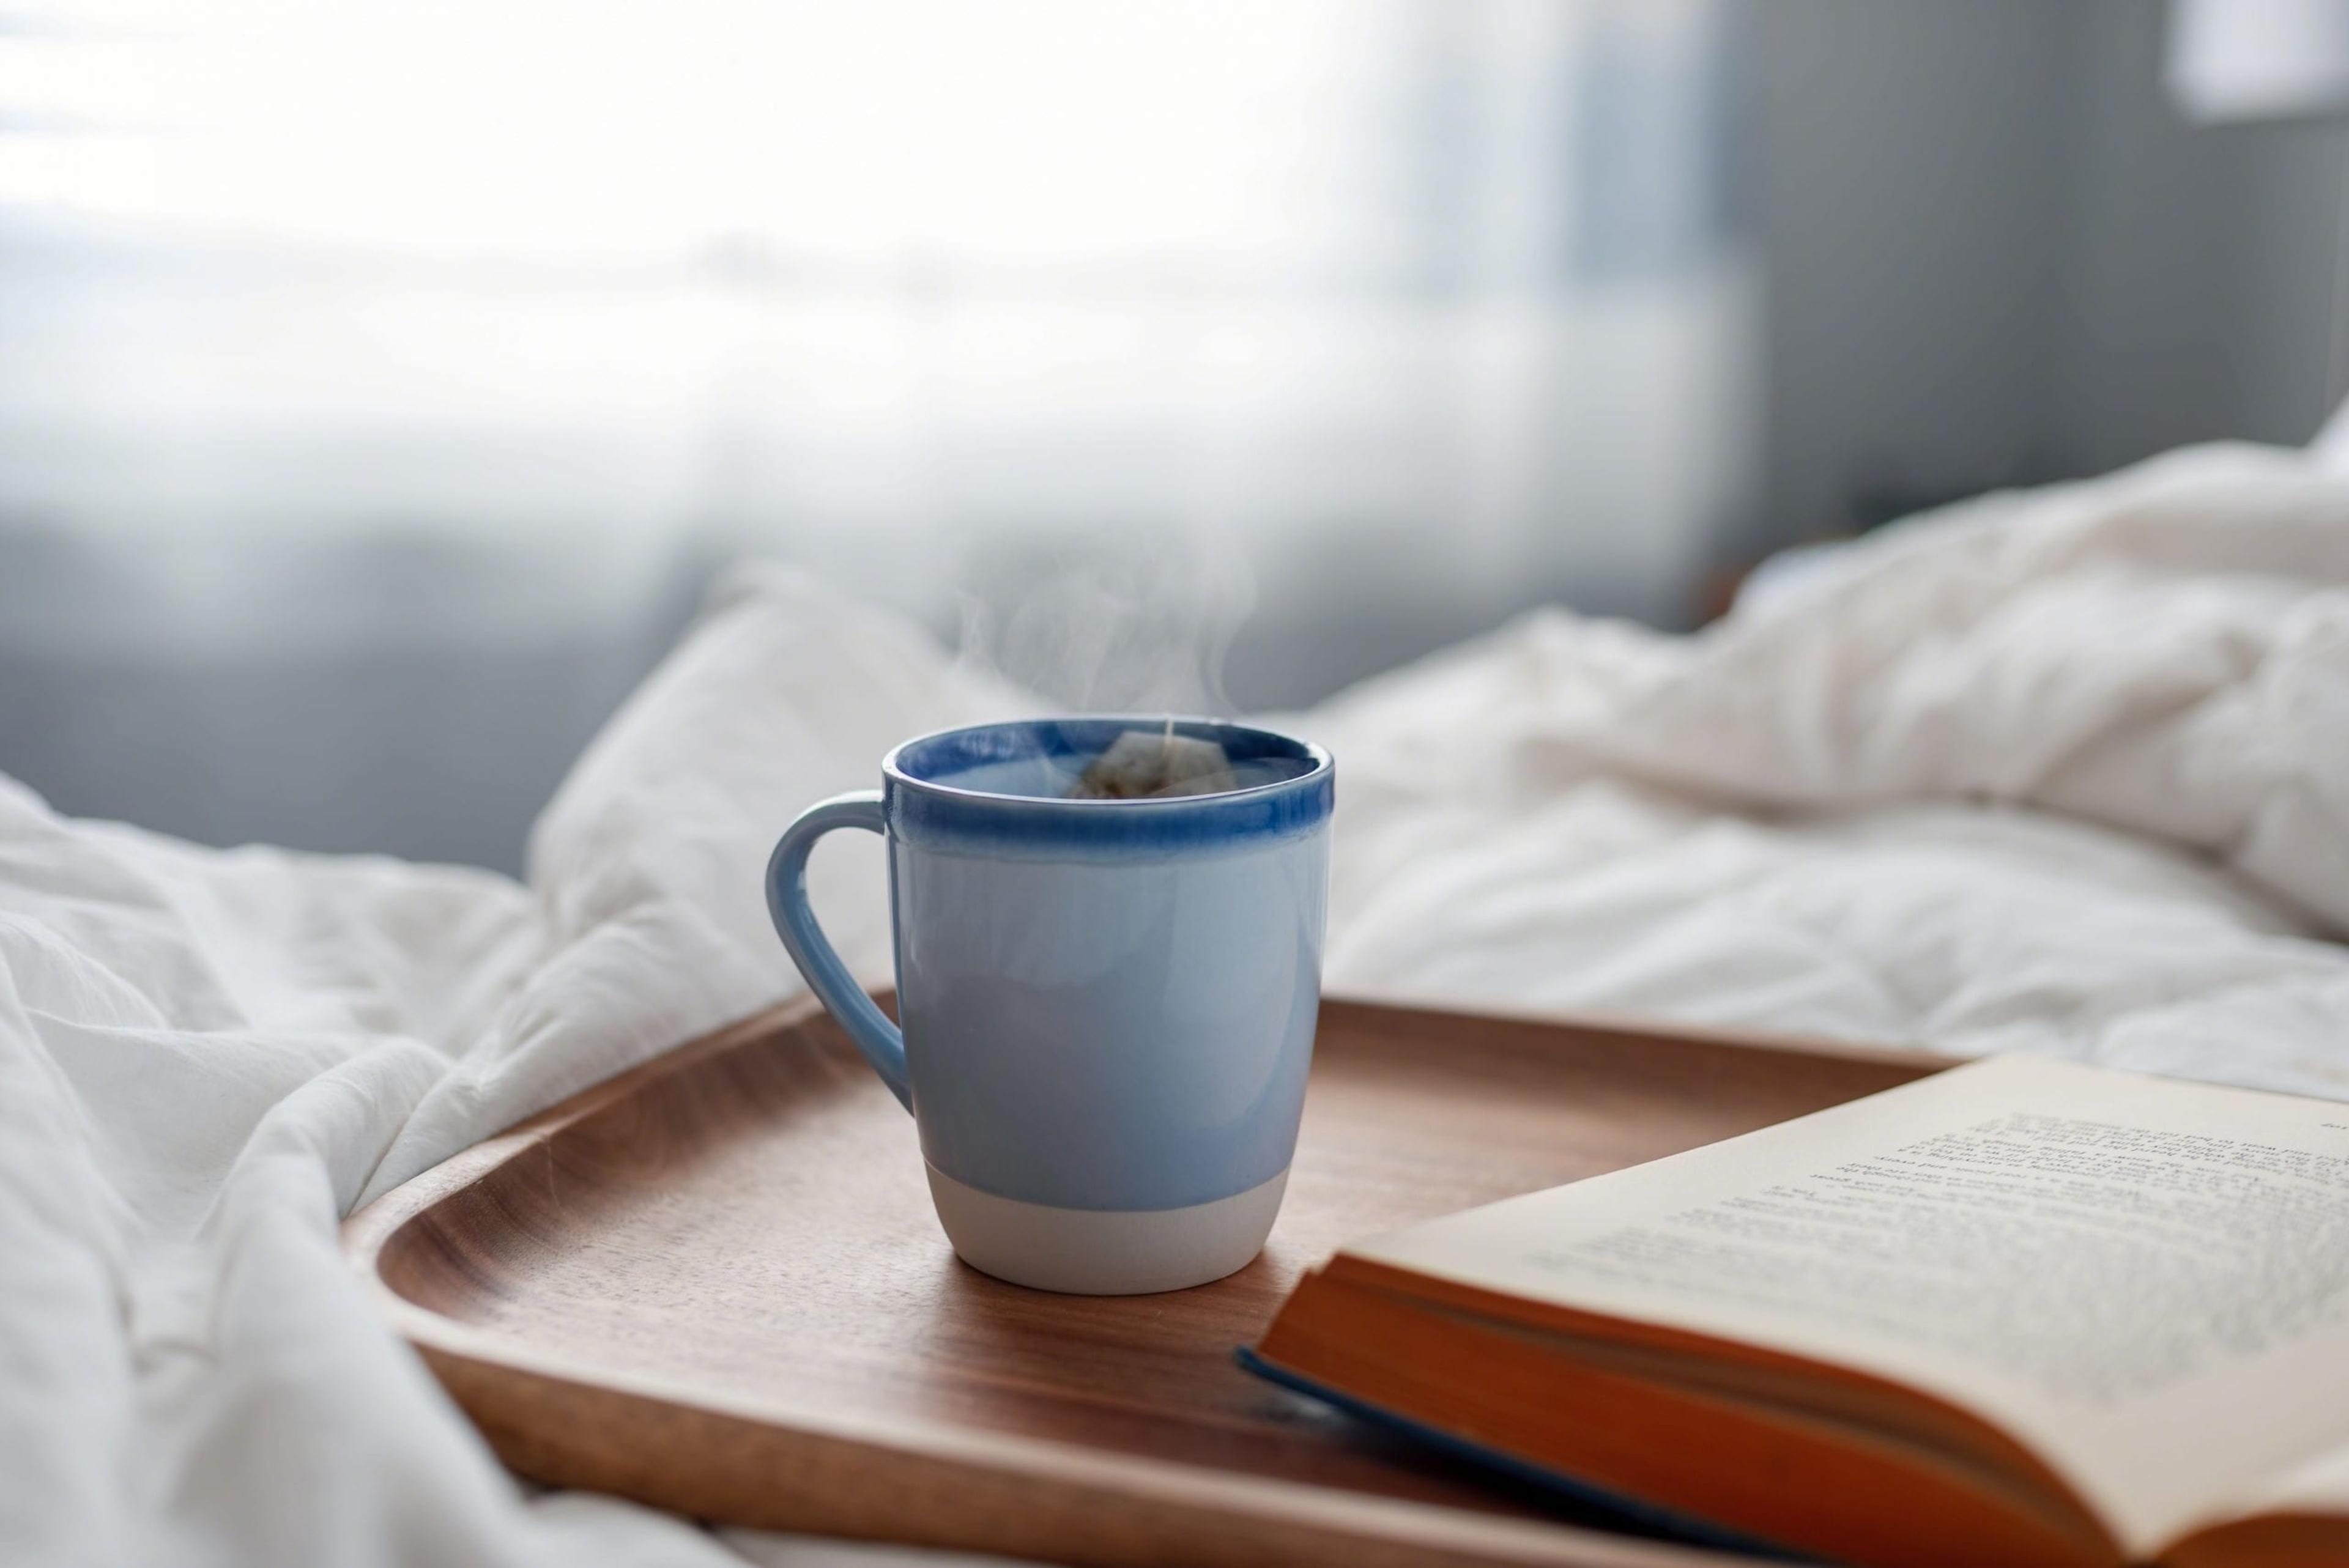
x: 1139, y: 626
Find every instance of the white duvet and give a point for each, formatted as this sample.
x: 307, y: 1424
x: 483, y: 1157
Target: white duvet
x: 2062, y: 772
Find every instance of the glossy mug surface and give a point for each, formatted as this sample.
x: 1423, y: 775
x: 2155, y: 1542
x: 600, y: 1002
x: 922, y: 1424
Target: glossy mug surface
x: 1108, y: 1005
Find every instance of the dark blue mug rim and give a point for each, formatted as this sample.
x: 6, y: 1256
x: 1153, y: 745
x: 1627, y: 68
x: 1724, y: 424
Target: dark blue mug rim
x: 925, y: 812
x: 1260, y: 744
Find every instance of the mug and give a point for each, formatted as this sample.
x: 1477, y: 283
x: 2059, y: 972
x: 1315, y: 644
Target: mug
x: 1107, y: 1005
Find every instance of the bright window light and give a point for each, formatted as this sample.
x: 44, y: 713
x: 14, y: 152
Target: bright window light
x: 1205, y: 137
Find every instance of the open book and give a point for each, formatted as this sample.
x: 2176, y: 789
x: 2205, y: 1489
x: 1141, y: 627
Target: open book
x: 2021, y: 1312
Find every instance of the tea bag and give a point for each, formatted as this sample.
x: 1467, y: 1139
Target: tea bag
x: 1143, y: 762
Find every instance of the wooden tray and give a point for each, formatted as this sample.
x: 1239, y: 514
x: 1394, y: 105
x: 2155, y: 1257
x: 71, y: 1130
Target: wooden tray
x: 715, y: 1284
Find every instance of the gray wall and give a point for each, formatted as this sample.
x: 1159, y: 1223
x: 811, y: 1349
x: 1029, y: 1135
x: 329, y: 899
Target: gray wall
x: 1998, y: 255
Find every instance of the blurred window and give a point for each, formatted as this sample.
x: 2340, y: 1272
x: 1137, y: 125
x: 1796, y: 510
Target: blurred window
x: 1406, y: 312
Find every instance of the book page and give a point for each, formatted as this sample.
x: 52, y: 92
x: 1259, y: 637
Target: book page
x: 2146, y: 1280
x: 2319, y: 1486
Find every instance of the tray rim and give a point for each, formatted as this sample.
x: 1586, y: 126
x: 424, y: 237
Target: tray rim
x: 459, y: 1352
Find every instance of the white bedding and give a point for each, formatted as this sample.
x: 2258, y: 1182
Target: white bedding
x: 2066, y: 770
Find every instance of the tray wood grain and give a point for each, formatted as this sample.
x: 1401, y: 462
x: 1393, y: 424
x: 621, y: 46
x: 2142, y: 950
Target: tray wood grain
x: 714, y: 1284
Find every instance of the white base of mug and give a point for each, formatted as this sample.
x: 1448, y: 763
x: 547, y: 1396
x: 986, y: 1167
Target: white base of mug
x: 1106, y: 1252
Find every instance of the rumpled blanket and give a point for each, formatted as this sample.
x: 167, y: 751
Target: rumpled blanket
x: 2064, y: 770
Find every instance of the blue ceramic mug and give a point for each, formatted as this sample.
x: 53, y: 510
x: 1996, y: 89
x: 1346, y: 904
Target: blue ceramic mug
x: 1108, y: 1004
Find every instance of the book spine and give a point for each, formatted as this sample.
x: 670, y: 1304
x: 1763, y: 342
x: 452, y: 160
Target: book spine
x: 1628, y: 1513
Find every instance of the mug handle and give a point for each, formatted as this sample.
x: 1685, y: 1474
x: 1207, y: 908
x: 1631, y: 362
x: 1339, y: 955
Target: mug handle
x: 867, y: 1026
